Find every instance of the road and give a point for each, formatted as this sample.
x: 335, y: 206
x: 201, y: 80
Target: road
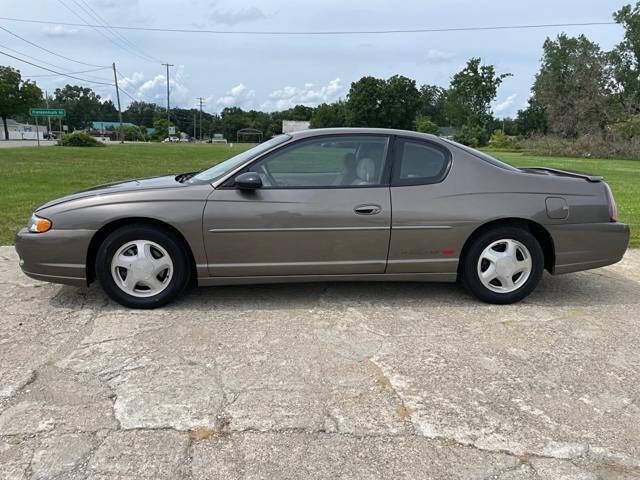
x: 26, y: 143
x: 322, y: 381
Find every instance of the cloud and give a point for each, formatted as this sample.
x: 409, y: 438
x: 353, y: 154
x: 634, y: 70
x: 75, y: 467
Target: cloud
x: 239, y: 96
x: 234, y: 17
x: 308, y: 95
x: 155, y: 89
x: 503, y: 106
x: 437, y: 56
x: 59, y: 31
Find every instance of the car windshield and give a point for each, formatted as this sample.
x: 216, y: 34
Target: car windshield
x: 483, y: 156
x: 222, y: 168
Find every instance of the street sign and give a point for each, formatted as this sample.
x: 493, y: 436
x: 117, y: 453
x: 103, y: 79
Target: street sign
x: 172, y: 130
x: 47, y: 112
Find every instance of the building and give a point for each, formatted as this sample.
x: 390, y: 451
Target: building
x: 294, y: 126
x: 23, y: 131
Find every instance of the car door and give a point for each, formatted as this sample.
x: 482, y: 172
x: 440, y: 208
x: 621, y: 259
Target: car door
x: 423, y: 239
x: 323, y: 209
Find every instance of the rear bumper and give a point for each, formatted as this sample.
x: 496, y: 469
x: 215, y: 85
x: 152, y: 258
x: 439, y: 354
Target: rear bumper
x: 589, y: 245
x: 57, y: 256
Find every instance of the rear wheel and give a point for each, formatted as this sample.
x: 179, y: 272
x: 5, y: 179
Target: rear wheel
x: 140, y: 266
x: 503, y: 265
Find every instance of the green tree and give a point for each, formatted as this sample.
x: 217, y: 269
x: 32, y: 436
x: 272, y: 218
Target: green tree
x: 330, y: 115
x: 143, y: 113
x: 425, y: 125
x: 399, y: 103
x: 532, y: 120
x: 468, y: 100
x: 363, y: 103
x: 433, y: 103
x: 16, y: 95
x: 161, y: 130
x: 625, y: 60
x: 82, y: 105
x: 572, y: 86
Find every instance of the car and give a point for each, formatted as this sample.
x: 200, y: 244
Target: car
x: 329, y: 205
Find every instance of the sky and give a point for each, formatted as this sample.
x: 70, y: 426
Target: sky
x: 277, y: 72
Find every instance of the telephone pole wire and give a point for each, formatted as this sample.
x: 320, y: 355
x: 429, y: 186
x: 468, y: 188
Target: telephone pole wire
x: 201, y: 100
x: 115, y: 78
x: 168, y: 106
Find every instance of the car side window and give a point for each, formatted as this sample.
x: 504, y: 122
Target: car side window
x: 337, y: 161
x: 420, y: 163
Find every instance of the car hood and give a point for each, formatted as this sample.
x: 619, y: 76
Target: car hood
x: 167, y: 181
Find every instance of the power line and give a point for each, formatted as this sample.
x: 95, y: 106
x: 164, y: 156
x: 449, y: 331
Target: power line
x: 47, y: 50
x: 318, y: 32
x: 53, y: 71
x: 98, y: 28
x: 55, y: 75
x: 118, y: 34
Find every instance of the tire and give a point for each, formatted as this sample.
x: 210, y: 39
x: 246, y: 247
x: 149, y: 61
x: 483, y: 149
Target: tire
x: 156, y: 259
x: 487, y: 269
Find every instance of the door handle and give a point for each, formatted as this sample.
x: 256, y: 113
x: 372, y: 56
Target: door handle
x: 367, y: 209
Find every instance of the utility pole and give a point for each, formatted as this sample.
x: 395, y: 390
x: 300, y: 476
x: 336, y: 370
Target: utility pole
x: 46, y: 99
x: 115, y: 78
x: 194, y: 125
x: 168, y: 107
x: 201, y: 100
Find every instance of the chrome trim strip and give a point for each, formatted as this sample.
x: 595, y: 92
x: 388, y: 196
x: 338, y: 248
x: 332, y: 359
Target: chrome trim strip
x: 294, y: 229
x: 296, y: 264
x: 421, y: 227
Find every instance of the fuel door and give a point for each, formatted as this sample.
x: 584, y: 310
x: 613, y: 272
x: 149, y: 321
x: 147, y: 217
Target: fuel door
x: 557, y: 208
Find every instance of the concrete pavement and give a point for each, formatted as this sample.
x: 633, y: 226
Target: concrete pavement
x: 322, y: 381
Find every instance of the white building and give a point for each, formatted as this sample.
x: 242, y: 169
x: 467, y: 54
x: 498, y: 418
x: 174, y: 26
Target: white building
x: 22, y: 131
x: 289, y: 126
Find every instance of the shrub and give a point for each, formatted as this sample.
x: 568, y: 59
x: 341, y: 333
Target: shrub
x: 610, y: 145
x: 471, y: 135
x: 79, y: 139
x: 425, y: 125
x: 629, y: 129
x: 502, y: 141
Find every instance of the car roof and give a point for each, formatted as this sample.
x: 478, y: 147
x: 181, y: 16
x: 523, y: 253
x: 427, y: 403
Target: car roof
x: 346, y: 131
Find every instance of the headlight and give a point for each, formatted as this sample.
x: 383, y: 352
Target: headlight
x: 38, y: 224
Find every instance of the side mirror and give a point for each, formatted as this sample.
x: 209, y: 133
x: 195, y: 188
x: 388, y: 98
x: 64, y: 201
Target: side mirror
x: 248, y: 181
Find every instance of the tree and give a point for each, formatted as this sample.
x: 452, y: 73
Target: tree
x: 468, y: 100
x: 161, y: 130
x: 425, y: 125
x: 399, y: 103
x: 625, y: 60
x: 532, y: 120
x: 363, y: 102
x: 143, y: 113
x: 330, y: 115
x: 16, y: 95
x: 432, y: 104
x: 572, y: 86
x: 82, y: 105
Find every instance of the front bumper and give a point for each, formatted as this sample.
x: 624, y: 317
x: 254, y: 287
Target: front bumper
x: 57, y: 256
x: 588, y: 245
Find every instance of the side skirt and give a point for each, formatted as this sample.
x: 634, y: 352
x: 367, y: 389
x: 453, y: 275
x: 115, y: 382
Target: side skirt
x: 381, y: 277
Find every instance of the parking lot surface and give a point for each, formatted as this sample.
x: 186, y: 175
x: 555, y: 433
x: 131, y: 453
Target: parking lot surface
x: 322, y: 381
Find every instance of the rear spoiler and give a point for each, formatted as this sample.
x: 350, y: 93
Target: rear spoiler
x: 565, y: 173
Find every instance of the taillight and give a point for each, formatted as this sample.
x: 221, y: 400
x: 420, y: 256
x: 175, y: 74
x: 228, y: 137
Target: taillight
x: 613, y: 207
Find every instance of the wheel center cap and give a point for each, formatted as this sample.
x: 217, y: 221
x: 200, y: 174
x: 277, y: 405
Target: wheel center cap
x: 504, y: 266
x: 142, y: 269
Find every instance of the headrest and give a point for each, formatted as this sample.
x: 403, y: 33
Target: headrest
x: 366, y: 170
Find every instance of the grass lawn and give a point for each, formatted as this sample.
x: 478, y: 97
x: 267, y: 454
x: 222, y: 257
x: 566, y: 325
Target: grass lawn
x: 32, y: 176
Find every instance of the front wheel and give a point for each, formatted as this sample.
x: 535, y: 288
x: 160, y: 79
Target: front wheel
x: 140, y: 266
x: 503, y: 265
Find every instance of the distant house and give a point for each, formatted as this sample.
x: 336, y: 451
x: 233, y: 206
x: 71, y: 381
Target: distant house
x: 108, y: 129
x: 23, y: 131
x: 294, y: 126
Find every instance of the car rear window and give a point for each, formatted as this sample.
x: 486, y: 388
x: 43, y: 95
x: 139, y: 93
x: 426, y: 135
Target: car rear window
x: 483, y: 156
